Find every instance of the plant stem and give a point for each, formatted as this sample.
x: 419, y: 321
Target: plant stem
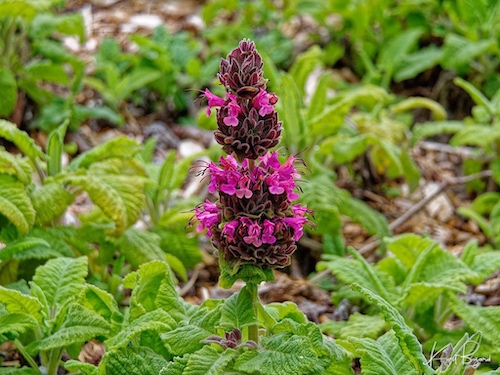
x: 253, y: 329
x: 54, y: 358
x: 26, y: 356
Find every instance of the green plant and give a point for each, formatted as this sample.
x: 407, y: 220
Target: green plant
x: 481, y: 131
x: 421, y: 280
x: 34, y: 62
x: 32, y: 212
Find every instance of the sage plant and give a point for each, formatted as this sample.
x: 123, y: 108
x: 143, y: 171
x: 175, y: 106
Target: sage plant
x: 254, y: 223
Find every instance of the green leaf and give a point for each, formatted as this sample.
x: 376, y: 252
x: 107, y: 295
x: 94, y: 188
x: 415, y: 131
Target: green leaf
x: 8, y: 99
x: 104, y: 196
x: 408, y: 104
x: 479, y: 319
x: 318, y: 99
x: 153, y: 288
x: 294, y: 134
x: 285, y: 310
x: 238, y: 311
x: 407, y: 341
x: 16, y: 166
x: 18, y: 303
x: 21, y: 139
x: 159, y: 321
x: 209, y: 361
x: 427, y: 293
x: 28, y: 248
x: 384, y: 356
x: 185, y: 339
x: 360, y: 272
x: 407, y: 247
x: 495, y: 223
x: 140, y: 247
x: 15, y: 204
x: 55, y: 145
x: 175, y: 242
x: 83, y: 368
x: 16, y: 323
x: 80, y: 325
x: 47, y: 71
x: 282, y: 354
x: 476, y: 135
x: 303, y: 66
x: 61, y: 279
x: 132, y: 361
x: 360, y: 325
x: 486, y: 263
x: 103, y: 303
x: 458, y: 51
x: 118, y: 147
x: 418, y: 62
x: 432, y: 128
x: 344, y: 148
x: 50, y: 201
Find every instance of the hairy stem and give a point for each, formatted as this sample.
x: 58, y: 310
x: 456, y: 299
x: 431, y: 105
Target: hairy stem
x: 253, y: 329
x: 27, y: 357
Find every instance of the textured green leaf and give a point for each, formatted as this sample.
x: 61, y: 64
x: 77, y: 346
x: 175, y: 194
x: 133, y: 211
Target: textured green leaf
x: 285, y: 310
x: 18, y: 371
x: 476, y: 135
x: 384, y: 356
x: 282, y: 354
x: 407, y: 247
x: 318, y: 99
x: 294, y: 134
x: 185, y: 339
x: 238, y: 311
x: 418, y: 62
x: 479, y: 319
x: 118, y: 147
x: 50, y: 201
x: 132, y: 361
x: 16, y: 324
x: 16, y: 166
x: 58, y: 239
x: 175, y: 242
x: 176, y: 367
x: 80, y: 325
x: 321, y: 192
x: 360, y: 325
x: 21, y: 139
x: 15, y: 204
x: 432, y: 128
x: 140, y: 247
x: 407, y: 341
x: 17, y: 302
x: 486, y: 263
x: 422, y: 292
x: 8, y: 98
x: 397, y: 48
x: 209, y: 361
x: 360, y: 272
x: 83, y: 368
x: 61, y: 279
x: 438, y: 266
x: 103, y: 303
x: 28, y: 248
x: 153, y: 288
x: 459, y: 51
x: 159, y: 321
x: 104, y: 196
x: 207, y: 318
x: 55, y: 145
x: 304, y: 65
x: 345, y: 148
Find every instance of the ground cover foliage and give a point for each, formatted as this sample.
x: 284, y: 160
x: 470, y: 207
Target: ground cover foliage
x: 96, y: 249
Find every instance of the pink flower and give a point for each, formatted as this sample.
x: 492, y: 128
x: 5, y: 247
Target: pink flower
x: 264, y: 102
x: 233, y: 111
x: 268, y: 232
x: 229, y: 229
x: 297, y: 224
x: 208, y: 215
x: 253, y: 231
x: 213, y: 101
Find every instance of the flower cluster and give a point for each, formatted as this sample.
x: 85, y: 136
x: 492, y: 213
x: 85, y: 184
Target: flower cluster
x: 254, y: 220
x: 247, y: 125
